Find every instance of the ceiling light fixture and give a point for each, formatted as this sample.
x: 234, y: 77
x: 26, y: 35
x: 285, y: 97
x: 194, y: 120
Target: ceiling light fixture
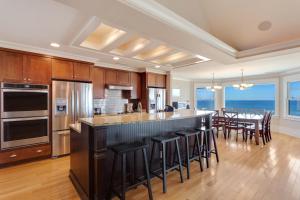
x: 56, y: 45
x: 213, y: 87
x: 157, y: 66
x: 202, y: 58
x: 243, y: 85
x: 116, y: 58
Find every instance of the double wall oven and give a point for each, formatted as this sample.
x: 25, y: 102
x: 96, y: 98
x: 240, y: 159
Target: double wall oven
x: 24, y: 115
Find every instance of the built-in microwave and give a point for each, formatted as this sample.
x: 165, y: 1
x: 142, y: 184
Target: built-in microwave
x: 24, y: 100
x: 16, y: 132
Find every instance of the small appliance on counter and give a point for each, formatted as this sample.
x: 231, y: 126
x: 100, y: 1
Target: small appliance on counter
x: 97, y: 111
x: 139, y: 107
x: 70, y: 102
x: 129, y: 107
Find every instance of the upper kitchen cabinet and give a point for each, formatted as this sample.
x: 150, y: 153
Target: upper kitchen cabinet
x: 82, y: 71
x: 37, y: 69
x: 117, y: 77
x: 11, y: 66
x: 136, y: 84
x: 111, y: 76
x: 98, y: 79
x: 156, y: 80
x: 123, y: 77
x: 62, y: 69
x: 68, y: 70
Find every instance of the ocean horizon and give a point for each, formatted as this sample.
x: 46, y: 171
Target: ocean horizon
x: 266, y: 105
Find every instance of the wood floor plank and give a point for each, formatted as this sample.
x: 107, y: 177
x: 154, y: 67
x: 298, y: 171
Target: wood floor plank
x: 245, y: 171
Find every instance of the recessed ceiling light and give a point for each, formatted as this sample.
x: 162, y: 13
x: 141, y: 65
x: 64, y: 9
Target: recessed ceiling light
x: 157, y: 66
x: 116, y: 58
x: 53, y: 44
x: 265, y: 26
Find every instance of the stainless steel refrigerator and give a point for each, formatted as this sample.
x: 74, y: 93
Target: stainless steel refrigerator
x: 70, y: 102
x: 156, y: 100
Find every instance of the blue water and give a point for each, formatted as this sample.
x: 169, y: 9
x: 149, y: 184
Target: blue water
x: 294, y: 107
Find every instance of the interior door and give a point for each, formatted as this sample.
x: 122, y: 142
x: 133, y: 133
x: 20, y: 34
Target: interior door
x: 84, y: 100
x: 62, y: 105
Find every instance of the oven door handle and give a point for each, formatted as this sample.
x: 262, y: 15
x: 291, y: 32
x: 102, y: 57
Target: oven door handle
x: 24, y: 119
x: 15, y: 90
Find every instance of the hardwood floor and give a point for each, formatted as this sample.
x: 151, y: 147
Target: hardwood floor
x: 245, y: 171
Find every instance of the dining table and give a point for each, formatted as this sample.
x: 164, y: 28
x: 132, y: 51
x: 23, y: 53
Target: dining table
x: 254, y: 119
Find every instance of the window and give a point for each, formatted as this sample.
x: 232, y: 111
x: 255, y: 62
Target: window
x: 294, y: 98
x: 176, y: 92
x: 205, y: 99
x: 257, y: 98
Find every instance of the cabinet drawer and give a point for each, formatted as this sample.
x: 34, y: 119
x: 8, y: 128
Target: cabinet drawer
x: 25, y: 153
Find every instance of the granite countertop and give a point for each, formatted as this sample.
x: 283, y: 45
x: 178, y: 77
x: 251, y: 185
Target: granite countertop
x: 141, y: 117
x: 76, y: 127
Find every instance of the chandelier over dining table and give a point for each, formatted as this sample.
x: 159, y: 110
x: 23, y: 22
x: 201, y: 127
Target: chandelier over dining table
x: 243, y: 85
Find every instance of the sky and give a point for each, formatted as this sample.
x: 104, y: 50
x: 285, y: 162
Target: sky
x: 257, y: 92
x: 294, y: 90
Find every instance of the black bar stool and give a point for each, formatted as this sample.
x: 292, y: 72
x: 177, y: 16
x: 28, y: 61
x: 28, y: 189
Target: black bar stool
x: 122, y: 150
x: 186, y: 134
x: 163, y: 141
x: 207, y: 149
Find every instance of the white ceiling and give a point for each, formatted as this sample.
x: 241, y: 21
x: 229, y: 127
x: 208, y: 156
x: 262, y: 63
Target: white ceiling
x: 236, y: 21
x: 200, y: 27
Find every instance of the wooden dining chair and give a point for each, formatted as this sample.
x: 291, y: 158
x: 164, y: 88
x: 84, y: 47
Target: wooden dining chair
x: 250, y: 129
x: 232, y: 123
x: 218, y: 123
x: 268, y: 127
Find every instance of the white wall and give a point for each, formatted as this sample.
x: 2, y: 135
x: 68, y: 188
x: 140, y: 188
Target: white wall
x: 280, y: 122
x: 186, y: 91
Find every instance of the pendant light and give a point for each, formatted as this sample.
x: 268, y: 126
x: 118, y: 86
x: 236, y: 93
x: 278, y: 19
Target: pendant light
x: 213, y: 87
x: 243, y: 85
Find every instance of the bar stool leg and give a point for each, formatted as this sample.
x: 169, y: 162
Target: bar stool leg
x: 199, y: 151
x: 215, y: 147
x: 164, y: 167
x: 187, y: 156
x: 112, y: 176
x: 147, y: 174
x: 206, y: 149
x: 152, y: 154
x: 123, y: 176
x: 179, y: 161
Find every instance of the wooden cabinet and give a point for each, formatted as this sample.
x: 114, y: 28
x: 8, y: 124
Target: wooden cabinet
x: 136, y: 84
x: 123, y: 77
x: 11, y: 66
x: 11, y: 156
x: 82, y: 71
x: 37, y: 69
x: 68, y: 70
x: 111, y: 76
x: 151, y: 80
x: 62, y: 69
x: 156, y: 80
x: 98, y: 79
x: 17, y: 67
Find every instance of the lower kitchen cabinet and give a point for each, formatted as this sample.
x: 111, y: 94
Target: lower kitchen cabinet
x: 22, y: 154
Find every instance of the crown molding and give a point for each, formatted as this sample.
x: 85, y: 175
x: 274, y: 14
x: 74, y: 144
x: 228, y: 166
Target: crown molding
x: 163, y: 14
x: 50, y: 52
x: 118, y: 66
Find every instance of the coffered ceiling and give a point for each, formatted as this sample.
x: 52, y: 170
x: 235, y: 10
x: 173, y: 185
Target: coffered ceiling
x: 191, y: 39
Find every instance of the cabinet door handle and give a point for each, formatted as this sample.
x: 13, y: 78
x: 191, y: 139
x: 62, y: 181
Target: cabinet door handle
x: 24, y: 79
x: 39, y: 151
x: 13, y: 156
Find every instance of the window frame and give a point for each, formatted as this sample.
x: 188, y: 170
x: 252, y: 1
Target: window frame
x: 274, y: 81
x: 286, y: 81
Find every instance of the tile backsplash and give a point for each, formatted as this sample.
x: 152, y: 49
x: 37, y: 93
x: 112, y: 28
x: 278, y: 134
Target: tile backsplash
x: 113, y: 102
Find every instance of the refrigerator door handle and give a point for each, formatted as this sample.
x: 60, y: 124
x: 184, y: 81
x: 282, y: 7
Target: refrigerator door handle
x: 77, y: 107
x: 73, y: 105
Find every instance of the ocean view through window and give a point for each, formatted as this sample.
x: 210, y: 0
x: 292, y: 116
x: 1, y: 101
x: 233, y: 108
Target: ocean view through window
x: 294, y: 98
x: 205, y: 99
x: 257, y: 98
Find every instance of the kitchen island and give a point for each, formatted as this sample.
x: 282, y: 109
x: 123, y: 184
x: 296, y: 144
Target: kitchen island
x: 91, y: 159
